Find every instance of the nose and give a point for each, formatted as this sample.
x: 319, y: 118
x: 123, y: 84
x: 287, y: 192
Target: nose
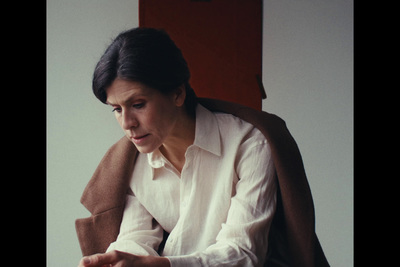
x: 128, y: 121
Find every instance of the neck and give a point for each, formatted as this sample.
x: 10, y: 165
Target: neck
x: 174, y: 148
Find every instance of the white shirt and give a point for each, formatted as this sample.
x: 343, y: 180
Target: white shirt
x: 218, y: 210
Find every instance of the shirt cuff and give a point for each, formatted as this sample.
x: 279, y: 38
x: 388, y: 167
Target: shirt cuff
x: 184, y: 261
x: 132, y: 248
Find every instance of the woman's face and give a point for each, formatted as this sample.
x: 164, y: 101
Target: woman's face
x: 146, y: 115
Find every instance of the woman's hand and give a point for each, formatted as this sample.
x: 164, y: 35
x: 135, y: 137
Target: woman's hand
x: 117, y: 258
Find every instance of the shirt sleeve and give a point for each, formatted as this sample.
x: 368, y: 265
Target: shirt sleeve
x: 140, y: 234
x: 243, y: 238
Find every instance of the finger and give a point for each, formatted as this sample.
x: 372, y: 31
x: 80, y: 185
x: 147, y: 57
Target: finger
x: 98, y: 260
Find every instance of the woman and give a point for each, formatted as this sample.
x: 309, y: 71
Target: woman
x: 202, y: 191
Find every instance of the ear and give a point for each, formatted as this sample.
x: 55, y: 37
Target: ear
x: 180, y: 95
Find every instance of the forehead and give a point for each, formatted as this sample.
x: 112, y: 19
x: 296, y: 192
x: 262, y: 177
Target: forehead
x: 121, y: 91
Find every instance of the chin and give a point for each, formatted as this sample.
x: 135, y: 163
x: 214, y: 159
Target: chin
x: 145, y: 149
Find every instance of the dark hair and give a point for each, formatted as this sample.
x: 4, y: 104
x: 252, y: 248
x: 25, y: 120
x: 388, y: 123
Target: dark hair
x: 148, y: 56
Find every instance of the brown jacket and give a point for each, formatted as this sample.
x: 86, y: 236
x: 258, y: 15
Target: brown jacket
x: 292, y: 236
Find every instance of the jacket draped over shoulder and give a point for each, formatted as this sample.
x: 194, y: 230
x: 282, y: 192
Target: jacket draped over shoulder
x: 292, y: 236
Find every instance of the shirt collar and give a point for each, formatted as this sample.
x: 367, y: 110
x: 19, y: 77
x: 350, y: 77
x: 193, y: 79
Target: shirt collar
x: 207, y: 137
x: 156, y: 159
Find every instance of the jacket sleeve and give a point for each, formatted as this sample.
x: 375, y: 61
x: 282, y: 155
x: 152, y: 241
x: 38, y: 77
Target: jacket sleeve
x: 104, y: 197
x: 98, y: 231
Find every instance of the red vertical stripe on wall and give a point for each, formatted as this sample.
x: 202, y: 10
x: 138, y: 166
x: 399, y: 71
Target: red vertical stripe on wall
x: 221, y: 41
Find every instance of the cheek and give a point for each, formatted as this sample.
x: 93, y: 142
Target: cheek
x: 156, y: 125
x: 118, y: 117
x: 161, y: 122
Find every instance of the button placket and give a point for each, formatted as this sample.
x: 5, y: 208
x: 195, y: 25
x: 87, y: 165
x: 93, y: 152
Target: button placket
x: 186, y: 179
x: 183, y: 195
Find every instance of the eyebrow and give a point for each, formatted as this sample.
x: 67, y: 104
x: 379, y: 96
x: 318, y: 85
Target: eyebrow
x: 129, y: 99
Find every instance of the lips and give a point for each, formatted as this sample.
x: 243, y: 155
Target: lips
x: 138, y: 139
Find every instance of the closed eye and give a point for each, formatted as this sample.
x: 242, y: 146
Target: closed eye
x: 139, y: 105
x: 118, y: 110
